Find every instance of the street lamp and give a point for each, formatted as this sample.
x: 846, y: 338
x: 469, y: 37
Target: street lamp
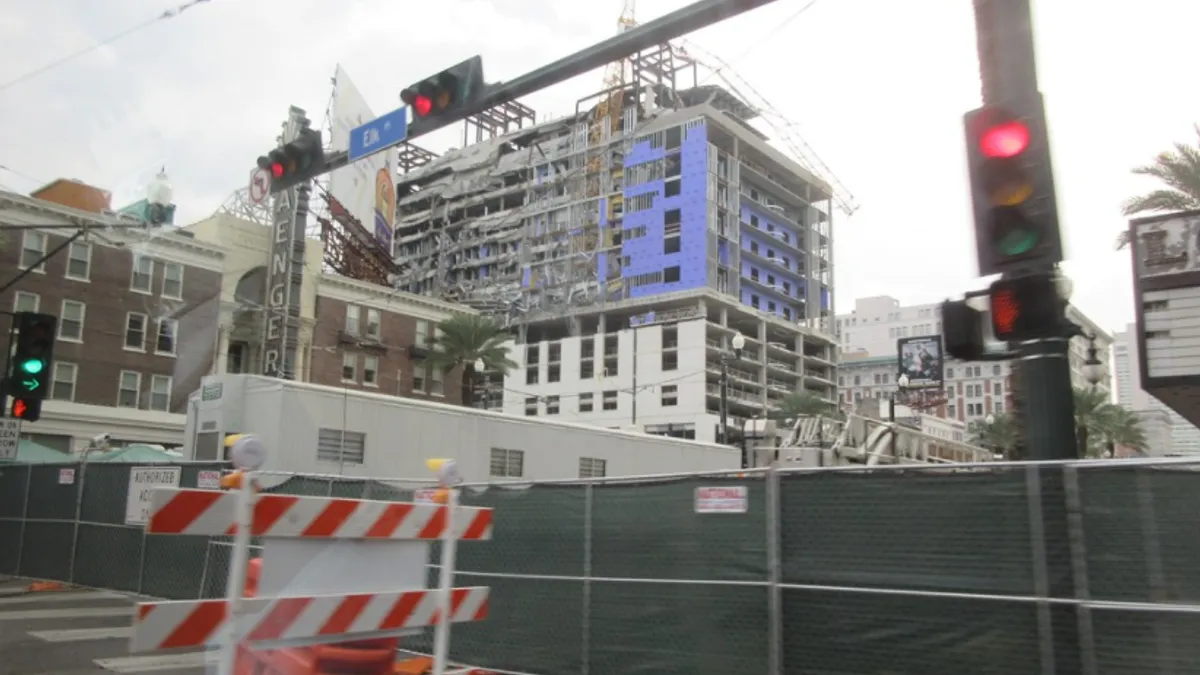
x: 480, y: 366
x: 901, y: 386
x: 1093, y: 369
x: 738, y: 342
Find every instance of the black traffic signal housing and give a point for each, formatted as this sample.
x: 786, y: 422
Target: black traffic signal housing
x: 1027, y: 307
x: 962, y: 330
x: 445, y: 94
x: 1012, y: 188
x: 301, y: 160
x: 28, y: 379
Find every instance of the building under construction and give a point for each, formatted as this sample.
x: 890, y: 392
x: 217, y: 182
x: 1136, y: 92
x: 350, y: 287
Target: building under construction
x: 653, y: 205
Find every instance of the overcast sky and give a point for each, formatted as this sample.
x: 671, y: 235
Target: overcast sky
x: 876, y: 87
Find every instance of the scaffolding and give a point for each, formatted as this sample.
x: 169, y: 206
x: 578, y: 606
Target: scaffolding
x: 350, y: 250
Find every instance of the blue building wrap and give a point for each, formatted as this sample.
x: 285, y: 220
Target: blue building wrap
x: 789, y: 268
x: 646, y: 254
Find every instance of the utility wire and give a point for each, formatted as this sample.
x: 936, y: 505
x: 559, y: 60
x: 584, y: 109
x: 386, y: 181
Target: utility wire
x: 167, y: 14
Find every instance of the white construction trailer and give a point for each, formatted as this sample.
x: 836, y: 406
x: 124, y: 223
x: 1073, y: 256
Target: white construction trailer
x: 316, y: 429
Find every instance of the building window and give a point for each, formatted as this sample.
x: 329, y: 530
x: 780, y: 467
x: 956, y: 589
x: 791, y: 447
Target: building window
x: 670, y: 360
x: 143, y: 273
x: 671, y: 275
x: 553, y: 372
x: 531, y: 406
x: 33, y: 247
x: 670, y: 395
x: 585, y: 403
x: 165, y: 343
x: 79, y: 261
x: 340, y: 446
x: 531, y: 374
x: 590, y: 467
x: 26, y: 302
x: 437, y: 385
x: 373, y: 323
x: 507, y: 463
x: 552, y: 405
x: 349, y: 367
x: 172, y: 281
x: 371, y: 371
x: 421, y: 339
x: 70, y: 322
x: 135, y: 331
x: 671, y: 245
x: 160, y: 393
x: 610, y: 400
x: 62, y: 387
x: 419, y: 375
x: 352, y: 316
x: 129, y: 390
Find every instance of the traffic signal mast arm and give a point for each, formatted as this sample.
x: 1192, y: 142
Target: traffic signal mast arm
x: 661, y: 30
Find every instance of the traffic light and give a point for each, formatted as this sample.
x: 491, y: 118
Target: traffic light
x: 27, y: 409
x: 29, y: 378
x: 1012, y: 187
x: 301, y: 160
x: 1026, y: 308
x: 445, y: 93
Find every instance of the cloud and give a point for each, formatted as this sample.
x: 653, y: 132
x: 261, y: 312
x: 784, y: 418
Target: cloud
x: 877, y: 87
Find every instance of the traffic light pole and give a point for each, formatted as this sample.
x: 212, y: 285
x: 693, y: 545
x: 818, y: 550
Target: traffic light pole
x: 1008, y: 72
x: 652, y: 33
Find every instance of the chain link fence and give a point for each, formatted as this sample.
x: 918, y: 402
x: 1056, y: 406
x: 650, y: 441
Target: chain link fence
x: 889, y: 570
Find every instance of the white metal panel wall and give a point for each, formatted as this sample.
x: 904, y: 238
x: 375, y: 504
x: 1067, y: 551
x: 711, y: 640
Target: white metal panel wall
x: 1172, y: 332
x: 402, y: 433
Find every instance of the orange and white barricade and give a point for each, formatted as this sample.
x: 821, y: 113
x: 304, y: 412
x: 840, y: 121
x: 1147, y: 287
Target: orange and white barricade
x: 332, y: 570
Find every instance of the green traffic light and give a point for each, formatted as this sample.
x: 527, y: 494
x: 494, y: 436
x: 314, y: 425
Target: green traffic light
x: 1018, y: 242
x: 33, y: 366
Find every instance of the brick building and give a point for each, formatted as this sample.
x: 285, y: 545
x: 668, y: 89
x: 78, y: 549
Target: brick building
x: 137, y: 315
x: 372, y: 338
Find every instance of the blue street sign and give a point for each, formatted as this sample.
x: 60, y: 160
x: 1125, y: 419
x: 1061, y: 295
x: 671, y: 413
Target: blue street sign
x: 378, y: 134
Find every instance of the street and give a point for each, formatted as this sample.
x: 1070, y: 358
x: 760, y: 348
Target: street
x: 76, y: 632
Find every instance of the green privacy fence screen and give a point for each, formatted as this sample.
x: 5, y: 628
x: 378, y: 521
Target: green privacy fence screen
x: 826, y: 571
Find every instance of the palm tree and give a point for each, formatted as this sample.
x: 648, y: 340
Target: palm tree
x: 800, y: 404
x: 1120, y: 426
x: 1179, y: 172
x: 464, y: 339
x: 1000, y: 434
x: 1090, y: 408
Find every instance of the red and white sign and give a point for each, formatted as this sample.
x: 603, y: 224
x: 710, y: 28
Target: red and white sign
x: 260, y: 185
x: 732, y: 499
x: 210, y: 512
x: 425, y: 496
x: 66, y: 476
x: 194, y: 623
x: 208, y: 480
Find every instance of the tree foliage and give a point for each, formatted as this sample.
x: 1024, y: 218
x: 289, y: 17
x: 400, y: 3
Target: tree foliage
x: 1100, y: 425
x: 1178, y: 170
x: 464, y: 339
x: 998, y: 433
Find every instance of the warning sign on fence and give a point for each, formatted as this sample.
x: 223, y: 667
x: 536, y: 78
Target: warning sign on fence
x: 143, y: 480
x: 208, y: 480
x: 733, y: 499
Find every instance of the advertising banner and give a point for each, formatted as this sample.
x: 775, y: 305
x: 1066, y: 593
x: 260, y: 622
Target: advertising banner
x: 921, y: 360
x: 365, y: 188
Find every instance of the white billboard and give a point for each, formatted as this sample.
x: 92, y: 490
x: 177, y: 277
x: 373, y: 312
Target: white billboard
x: 365, y: 188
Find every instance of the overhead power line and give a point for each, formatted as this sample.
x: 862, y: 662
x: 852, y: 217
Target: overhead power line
x: 167, y: 14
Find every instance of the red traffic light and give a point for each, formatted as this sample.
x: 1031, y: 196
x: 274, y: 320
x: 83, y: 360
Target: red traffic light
x: 1006, y: 311
x: 19, y: 408
x: 421, y: 104
x: 1004, y: 140
x: 276, y: 169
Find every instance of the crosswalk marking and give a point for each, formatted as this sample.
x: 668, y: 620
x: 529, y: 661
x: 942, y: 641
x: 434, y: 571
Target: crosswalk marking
x: 59, y: 596
x: 75, y: 613
x: 144, y: 664
x: 81, y: 634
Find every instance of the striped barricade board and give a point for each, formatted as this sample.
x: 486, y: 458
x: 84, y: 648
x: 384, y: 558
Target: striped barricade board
x: 333, y: 570
x: 209, y: 512
x: 287, y: 621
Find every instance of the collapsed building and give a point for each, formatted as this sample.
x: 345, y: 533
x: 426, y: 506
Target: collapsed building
x: 652, y: 208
